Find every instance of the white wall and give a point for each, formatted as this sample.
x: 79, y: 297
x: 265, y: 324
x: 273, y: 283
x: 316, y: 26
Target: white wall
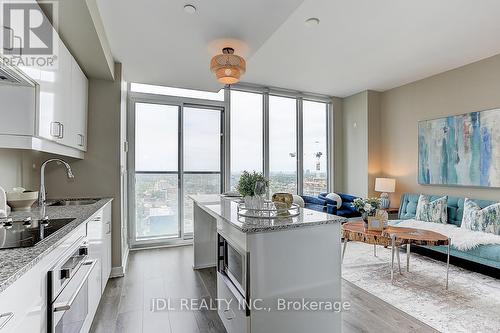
x: 355, y: 144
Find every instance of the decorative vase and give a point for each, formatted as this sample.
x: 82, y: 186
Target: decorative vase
x: 285, y: 198
x: 249, y: 201
x: 254, y: 203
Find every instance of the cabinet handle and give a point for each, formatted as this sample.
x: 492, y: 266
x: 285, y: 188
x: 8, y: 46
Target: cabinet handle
x: 109, y: 228
x: 5, y: 318
x: 55, y: 129
x: 10, y: 31
x: 61, y: 131
x: 82, y: 140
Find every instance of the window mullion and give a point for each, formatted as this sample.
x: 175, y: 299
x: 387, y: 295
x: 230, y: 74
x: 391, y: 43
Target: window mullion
x: 265, y: 128
x: 300, y: 146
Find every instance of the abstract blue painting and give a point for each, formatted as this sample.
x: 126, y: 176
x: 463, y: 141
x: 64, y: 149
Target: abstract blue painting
x: 460, y: 150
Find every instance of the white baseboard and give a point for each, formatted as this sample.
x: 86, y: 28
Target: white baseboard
x: 120, y: 270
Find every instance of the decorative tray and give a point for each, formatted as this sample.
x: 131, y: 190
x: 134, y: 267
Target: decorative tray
x: 268, y: 211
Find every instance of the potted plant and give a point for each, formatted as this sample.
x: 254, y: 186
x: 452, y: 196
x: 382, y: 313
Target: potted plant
x: 367, y: 207
x: 252, y: 187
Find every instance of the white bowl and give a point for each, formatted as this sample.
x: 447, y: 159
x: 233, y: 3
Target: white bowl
x: 21, y: 201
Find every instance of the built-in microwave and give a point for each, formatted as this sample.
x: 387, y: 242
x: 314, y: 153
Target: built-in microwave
x: 233, y: 264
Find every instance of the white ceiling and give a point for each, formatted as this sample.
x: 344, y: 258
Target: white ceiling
x: 359, y: 44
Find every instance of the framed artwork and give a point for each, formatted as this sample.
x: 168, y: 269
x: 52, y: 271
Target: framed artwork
x: 461, y: 150
x: 379, y: 221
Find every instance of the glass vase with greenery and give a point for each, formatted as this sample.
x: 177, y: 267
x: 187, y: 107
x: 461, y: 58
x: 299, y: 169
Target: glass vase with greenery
x: 246, y: 187
x: 367, y: 207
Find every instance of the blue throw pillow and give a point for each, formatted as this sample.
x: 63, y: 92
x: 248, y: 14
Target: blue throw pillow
x: 432, y: 211
x: 477, y: 219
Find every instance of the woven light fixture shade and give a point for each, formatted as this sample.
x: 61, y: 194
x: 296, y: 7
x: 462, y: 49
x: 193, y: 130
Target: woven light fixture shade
x: 228, y: 67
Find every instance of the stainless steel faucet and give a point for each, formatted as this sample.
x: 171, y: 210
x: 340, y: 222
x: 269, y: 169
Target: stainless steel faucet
x: 41, y: 193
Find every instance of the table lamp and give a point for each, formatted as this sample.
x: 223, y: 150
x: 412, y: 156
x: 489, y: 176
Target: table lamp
x: 386, y: 186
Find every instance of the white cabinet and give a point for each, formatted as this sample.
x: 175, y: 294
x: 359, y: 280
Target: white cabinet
x: 17, y: 113
x: 96, y: 244
x: 77, y: 134
x: 99, y: 236
x: 106, y: 230
x: 95, y: 239
x: 63, y: 95
x: 55, y: 96
x: 60, y: 111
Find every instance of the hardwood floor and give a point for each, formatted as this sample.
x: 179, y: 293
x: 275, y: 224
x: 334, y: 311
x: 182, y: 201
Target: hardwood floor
x: 161, y: 273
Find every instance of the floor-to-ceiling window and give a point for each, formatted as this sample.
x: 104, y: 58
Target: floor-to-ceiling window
x: 179, y: 148
x: 315, y: 138
x: 282, y: 144
x: 202, y: 157
x: 176, y: 151
x: 268, y: 132
x: 246, y: 133
x: 156, y: 171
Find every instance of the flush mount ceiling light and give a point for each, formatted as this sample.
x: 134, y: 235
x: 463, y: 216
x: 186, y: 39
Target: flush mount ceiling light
x: 190, y: 9
x: 228, y: 67
x: 313, y: 21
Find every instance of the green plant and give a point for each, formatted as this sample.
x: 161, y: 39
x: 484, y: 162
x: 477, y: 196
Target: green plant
x: 246, y: 185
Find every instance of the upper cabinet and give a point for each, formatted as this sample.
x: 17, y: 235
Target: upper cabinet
x: 79, y: 103
x: 55, y: 118
x: 62, y: 109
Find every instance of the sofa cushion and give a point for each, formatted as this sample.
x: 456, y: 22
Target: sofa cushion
x: 432, y: 210
x: 408, y: 207
x: 486, y: 219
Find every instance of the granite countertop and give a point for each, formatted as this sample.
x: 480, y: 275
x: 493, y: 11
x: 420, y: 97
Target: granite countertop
x: 15, y: 262
x: 226, y: 208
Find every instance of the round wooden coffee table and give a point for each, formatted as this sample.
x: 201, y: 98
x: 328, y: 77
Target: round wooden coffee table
x: 394, y: 237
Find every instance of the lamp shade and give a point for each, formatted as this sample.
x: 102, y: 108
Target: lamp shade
x: 387, y: 185
x: 228, y: 67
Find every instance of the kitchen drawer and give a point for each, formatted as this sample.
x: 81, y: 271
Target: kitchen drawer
x: 233, y: 316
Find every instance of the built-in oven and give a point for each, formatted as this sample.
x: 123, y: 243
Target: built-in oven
x: 233, y: 264
x: 67, y: 290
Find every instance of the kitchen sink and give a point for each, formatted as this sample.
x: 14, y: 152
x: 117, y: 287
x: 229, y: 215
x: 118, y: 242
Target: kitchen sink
x: 79, y: 202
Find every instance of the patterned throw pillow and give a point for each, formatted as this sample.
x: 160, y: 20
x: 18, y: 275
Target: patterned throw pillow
x: 477, y: 219
x: 432, y: 211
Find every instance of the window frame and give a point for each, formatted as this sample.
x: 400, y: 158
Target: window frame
x: 225, y: 105
x: 300, y: 98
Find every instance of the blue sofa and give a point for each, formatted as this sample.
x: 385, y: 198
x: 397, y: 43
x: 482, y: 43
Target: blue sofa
x: 488, y: 255
x: 322, y: 204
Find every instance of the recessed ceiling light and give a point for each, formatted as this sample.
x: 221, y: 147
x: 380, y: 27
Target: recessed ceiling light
x: 312, y: 21
x: 190, y: 9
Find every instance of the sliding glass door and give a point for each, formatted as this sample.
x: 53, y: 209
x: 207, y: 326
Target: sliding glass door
x: 202, y: 157
x: 176, y: 152
x: 156, y: 171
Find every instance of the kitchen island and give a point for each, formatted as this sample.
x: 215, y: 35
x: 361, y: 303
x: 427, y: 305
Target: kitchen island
x: 276, y: 275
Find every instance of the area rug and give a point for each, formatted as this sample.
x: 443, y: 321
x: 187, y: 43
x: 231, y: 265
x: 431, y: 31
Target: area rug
x: 471, y: 304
